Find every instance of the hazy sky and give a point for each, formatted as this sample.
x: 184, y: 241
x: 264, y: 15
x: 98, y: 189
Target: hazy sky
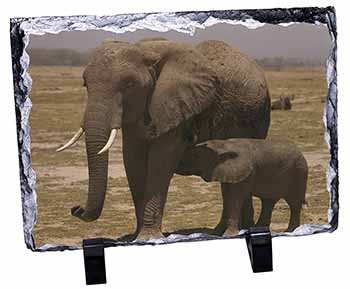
x: 304, y: 41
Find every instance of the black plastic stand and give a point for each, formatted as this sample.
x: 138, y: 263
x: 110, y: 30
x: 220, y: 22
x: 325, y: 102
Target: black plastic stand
x: 259, y: 243
x: 94, y: 260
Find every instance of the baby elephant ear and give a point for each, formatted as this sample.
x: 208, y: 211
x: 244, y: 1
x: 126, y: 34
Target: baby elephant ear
x: 185, y: 87
x: 231, y: 167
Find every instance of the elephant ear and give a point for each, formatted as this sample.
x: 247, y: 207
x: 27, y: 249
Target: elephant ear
x: 232, y: 165
x: 185, y: 87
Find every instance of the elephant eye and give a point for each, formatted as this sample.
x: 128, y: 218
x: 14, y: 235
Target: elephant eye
x: 130, y: 80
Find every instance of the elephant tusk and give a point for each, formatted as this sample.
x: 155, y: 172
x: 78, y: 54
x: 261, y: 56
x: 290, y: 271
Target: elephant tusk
x: 72, y: 141
x: 109, y: 142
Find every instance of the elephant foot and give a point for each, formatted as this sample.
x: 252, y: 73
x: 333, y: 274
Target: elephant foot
x: 230, y: 232
x: 291, y: 229
x: 219, y: 229
x: 82, y: 214
x: 127, y: 238
x: 147, y: 234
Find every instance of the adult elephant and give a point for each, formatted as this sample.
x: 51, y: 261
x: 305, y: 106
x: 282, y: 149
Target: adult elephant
x: 165, y: 97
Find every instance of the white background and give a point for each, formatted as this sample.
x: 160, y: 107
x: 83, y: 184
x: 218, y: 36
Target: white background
x: 318, y: 261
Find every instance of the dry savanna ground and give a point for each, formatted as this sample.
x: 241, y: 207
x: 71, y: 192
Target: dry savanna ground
x: 58, y: 103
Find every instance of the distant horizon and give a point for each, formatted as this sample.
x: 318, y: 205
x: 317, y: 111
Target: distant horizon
x: 305, y: 42
x: 257, y: 58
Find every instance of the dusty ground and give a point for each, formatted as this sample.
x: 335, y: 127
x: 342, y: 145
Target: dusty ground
x: 58, y: 102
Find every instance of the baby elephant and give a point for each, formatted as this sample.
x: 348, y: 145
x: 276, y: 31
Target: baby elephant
x: 270, y: 170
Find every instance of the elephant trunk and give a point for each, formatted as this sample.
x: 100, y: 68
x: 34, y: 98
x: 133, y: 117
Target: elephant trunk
x: 97, y: 130
x: 96, y: 138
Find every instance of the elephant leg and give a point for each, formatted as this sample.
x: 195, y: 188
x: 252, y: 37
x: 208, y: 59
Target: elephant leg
x: 164, y: 156
x: 135, y: 163
x: 266, y: 212
x: 295, y: 196
x: 247, y: 213
x: 221, y: 226
x: 234, y: 196
x: 295, y: 211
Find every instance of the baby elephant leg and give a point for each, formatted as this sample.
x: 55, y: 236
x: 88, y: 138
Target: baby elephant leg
x: 295, y: 211
x: 234, y: 196
x: 247, y: 214
x: 246, y: 217
x: 296, y: 195
x: 267, y: 206
x: 221, y: 226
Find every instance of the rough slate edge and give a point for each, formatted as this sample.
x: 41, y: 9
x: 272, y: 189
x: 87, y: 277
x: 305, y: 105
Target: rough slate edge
x: 22, y: 85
